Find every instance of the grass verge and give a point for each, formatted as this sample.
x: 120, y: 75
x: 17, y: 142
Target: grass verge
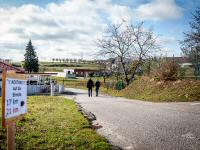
x: 54, y: 123
x: 148, y: 89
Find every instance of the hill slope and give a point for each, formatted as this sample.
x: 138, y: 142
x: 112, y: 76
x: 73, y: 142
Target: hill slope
x: 170, y: 91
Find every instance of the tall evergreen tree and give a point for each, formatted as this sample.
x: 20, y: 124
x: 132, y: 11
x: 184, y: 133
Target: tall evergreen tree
x: 31, y: 59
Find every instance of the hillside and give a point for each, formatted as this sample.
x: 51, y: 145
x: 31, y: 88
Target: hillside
x: 148, y: 89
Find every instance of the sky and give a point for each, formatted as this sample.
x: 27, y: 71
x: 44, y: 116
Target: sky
x: 69, y: 28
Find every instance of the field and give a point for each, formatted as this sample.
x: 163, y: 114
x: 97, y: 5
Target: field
x: 80, y: 83
x: 59, y: 66
x: 70, y: 82
x: 54, y: 123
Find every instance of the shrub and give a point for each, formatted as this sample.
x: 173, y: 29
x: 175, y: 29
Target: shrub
x: 168, y: 70
x: 182, y: 72
x: 120, y: 85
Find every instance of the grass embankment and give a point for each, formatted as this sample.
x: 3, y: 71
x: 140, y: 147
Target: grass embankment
x: 54, y: 123
x: 148, y: 89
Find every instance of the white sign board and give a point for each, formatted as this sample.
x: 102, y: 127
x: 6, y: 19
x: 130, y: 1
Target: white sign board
x: 15, y: 98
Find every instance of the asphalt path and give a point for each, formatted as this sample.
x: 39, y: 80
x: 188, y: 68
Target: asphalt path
x: 139, y: 125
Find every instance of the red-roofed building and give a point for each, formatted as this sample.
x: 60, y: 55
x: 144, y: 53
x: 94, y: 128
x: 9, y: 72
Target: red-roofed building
x: 7, y: 66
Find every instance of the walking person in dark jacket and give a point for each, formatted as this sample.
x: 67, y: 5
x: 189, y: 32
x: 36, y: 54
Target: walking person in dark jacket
x: 97, y: 84
x: 90, y: 85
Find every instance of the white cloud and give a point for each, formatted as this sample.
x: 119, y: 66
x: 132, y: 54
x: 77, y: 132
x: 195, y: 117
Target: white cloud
x: 158, y: 10
x: 163, y: 40
x: 69, y: 28
x: 169, y: 46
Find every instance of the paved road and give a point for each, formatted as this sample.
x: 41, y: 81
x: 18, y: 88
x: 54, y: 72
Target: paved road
x: 138, y: 125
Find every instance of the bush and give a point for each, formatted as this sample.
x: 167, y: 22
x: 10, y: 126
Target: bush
x: 168, y: 70
x: 120, y: 85
x: 182, y: 72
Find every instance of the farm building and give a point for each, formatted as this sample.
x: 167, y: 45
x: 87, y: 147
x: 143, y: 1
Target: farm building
x: 6, y: 66
x: 73, y: 73
x: 85, y: 72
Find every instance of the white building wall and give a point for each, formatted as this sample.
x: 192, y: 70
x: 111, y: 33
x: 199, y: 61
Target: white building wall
x: 69, y: 70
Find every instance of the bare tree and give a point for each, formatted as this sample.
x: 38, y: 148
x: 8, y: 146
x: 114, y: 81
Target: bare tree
x: 191, y: 43
x: 67, y: 60
x: 130, y: 44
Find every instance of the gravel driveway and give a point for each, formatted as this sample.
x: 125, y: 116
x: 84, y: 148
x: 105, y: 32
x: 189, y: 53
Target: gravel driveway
x: 138, y: 125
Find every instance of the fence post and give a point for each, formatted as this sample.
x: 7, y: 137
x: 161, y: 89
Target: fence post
x: 61, y: 88
x: 52, y: 89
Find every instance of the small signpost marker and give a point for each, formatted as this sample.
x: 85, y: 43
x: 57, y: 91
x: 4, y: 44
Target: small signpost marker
x: 14, y: 103
x: 52, y: 88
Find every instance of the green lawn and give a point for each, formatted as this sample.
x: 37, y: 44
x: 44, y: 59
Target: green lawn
x: 81, y: 83
x: 70, y: 82
x: 54, y: 123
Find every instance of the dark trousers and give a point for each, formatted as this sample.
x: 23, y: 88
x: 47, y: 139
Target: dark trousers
x: 90, y: 92
x: 97, y: 91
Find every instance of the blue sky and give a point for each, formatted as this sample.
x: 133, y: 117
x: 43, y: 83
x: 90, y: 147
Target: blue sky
x: 67, y: 29
x: 18, y: 3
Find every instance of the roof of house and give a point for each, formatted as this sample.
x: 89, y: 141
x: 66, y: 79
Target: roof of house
x: 7, y: 66
x: 86, y: 70
x: 179, y: 59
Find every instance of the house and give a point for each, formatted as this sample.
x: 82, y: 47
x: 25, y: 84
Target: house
x: 69, y: 73
x: 179, y: 60
x: 85, y: 72
x: 183, y: 65
x: 6, y: 66
x: 182, y: 61
x: 73, y: 73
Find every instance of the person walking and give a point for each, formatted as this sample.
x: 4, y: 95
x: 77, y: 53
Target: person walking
x: 90, y: 85
x: 97, y: 85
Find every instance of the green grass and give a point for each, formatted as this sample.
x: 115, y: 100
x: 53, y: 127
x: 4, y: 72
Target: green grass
x: 70, y: 82
x: 81, y: 83
x: 54, y: 123
x: 59, y: 66
x: 74, y: 83
x: 148, y: 89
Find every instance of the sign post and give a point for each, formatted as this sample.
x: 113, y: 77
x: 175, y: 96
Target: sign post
x: 14, y: 103
x: 52, y: 88
x: 3, y: 98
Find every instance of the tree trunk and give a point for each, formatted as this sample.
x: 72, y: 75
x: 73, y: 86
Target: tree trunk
x: 127, y: 82
x: 104, y: 79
